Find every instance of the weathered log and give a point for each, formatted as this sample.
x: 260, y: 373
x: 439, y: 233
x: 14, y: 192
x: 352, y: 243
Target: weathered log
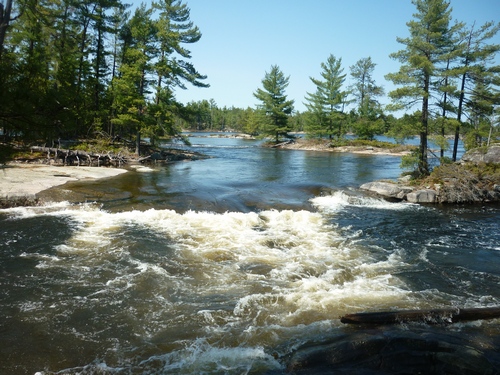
x: 68, y: 156
x: 429, y: 316
x: 287, y: 142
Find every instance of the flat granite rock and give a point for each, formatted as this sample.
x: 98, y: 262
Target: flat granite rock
x: 422, y: 196
x: 387, y: 189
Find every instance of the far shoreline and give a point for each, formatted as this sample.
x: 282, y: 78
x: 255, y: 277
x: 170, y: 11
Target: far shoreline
x: 325, y: 146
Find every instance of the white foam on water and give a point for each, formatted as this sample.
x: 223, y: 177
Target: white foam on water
x: 200, y: 357
x: 48, y: 208
x: 296, y: 254
x: 221, y: 275
x: 339, y: 200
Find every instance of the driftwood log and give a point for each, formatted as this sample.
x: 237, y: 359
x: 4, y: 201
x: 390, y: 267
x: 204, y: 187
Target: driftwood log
x: 287, y: 142
x: 431, y: 316
x: 70, y: 157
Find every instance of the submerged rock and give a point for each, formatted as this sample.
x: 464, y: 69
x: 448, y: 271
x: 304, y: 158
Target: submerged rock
x: 396, y: 352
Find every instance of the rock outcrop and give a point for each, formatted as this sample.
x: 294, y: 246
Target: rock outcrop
x: 387, y: 189
x: 475, y: 178
x: 412, y: 350
x: 481, y: 155
x: 422, y: 196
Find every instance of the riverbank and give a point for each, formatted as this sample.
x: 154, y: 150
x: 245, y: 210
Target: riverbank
x: 475, y: 179
x: 20, y: 183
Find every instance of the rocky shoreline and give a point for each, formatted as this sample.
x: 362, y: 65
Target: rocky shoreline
x: 21, y: 182
x: 453, y: 183
x: 325, y: 145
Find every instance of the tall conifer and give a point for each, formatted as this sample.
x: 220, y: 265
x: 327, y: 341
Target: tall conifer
x: 423, y: 51
x: 275, y: 106
x: 327, y: 103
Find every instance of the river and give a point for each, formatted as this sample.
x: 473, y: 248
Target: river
x: 235, y: 263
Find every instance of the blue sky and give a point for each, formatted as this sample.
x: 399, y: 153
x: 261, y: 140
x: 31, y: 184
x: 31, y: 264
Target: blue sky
x: 243, y: 38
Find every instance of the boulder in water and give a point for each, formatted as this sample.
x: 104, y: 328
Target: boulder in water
x: 422, y: 196
x: 387, y: 189
x: 397, y: 351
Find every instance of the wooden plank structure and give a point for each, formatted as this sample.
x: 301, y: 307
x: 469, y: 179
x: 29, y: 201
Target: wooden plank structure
x: 429, y: 316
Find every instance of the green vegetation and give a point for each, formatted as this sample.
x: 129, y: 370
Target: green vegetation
x: 462, y: 183
x: 94, y: 70
x: 436, y: 58
x: 275, y: 107
x: 368, y: 120
x: 82, y: 69
x: 327, y: 104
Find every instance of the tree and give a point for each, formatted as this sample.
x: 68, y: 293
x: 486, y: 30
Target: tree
x: 474, y: 54
x: 481, y: 110
x: 132, y: 86
x: 327, y: 103
x: 275, y: 107
x: 369, y: 121
x: 424, y: 50
x: 174, y: 30
x: 5, y: 19
x: 154, y: 62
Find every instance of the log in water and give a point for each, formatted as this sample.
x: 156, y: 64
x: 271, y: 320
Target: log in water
x: 430, y: 316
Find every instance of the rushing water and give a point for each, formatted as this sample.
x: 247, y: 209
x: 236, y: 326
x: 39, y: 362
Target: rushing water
x: 229, y: 265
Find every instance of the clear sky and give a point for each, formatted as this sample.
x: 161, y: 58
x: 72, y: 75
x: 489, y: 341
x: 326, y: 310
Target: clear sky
x: 243, y: 38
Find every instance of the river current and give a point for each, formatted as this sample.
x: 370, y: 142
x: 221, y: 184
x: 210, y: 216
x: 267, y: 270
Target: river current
x: 235, y: 263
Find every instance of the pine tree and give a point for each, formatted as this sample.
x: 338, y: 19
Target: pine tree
x: 474, y: 55
x: 327, y: 103
x: 369, y: 120
x: 275, y: 107
x: 423, y: 52
x: 481, y: 110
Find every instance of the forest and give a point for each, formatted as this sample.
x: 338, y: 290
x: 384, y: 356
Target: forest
x: 98, y: 69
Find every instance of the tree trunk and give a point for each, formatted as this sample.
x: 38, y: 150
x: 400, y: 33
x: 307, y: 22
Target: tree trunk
x: 423, y: 165
x: 4, y: 21
x: 138, y: 143
x: 431, y: 316
x: 459, y: 117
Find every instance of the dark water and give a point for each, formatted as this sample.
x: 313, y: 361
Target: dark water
x: 231, y: 265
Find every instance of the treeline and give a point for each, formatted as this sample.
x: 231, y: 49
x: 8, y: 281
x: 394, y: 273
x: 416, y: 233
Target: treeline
x: 73, y: 68
x: 84, y: 68
x: 448, y: 84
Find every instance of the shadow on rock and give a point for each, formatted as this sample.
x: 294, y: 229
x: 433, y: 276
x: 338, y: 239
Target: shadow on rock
x: 397, y: 351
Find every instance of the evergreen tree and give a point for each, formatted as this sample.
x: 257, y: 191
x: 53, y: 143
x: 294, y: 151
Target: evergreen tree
x: 5, y: 20
x: 369, y: 121
x: 474, y: 54
x: 481, y: 110
x: 250, y: 122
x: 327, y: 103
x: 275, y: 107
x: 132, y: 86
x: 424, y: 50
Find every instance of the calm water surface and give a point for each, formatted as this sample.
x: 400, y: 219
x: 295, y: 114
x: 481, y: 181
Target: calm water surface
x: 228, y: 265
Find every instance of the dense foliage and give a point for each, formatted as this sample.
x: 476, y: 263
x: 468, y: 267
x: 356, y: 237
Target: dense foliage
x: 94, y: 68
x: 82, y: 68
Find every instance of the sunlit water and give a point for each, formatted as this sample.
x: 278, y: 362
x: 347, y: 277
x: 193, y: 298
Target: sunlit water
x: 228, y: 265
